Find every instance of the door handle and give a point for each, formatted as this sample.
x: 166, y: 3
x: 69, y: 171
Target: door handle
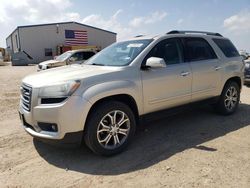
x: 217, y: 68
x: 183, y: 73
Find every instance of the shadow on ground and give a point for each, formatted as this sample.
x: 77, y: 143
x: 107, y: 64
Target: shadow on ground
x: 154, y: 142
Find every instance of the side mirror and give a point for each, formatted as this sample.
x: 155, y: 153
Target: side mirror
x: 155, y: 62
x: 72, y: 59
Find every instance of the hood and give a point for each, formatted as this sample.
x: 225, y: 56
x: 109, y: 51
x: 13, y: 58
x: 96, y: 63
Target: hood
x: 49, y: 62
x: 66, y: 73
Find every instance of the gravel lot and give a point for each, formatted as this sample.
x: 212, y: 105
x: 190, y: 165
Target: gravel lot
x: 195, y: 148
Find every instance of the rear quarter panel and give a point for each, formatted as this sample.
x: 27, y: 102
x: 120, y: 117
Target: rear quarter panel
x: 230, y: 67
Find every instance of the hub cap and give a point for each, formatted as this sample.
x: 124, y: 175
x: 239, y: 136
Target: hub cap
x: 113, y: 129
x: 231, y: 98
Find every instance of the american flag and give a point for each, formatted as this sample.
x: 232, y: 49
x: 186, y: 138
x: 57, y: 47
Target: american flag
x: 76, y: 38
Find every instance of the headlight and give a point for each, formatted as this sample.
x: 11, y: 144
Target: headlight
x: 59, y: 90
x: 247, y: 65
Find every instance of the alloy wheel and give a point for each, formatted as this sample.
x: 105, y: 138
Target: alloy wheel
x: 113, y: 129
x: 231, y: 98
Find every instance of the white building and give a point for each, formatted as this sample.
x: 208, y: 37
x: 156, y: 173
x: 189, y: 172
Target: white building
x: 40, y: 42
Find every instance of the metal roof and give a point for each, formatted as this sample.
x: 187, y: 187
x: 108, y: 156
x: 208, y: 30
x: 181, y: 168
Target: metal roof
x: 58, y: 23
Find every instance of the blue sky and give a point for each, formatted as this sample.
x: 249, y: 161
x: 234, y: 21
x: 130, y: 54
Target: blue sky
x: 132, y: 17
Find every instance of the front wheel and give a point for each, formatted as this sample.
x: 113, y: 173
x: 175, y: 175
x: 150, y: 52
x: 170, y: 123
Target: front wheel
x: 229, y: 99
x: 110, y: 127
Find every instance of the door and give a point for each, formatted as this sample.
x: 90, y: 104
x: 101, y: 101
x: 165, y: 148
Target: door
x: 169, y: 86
x: 206, y: 69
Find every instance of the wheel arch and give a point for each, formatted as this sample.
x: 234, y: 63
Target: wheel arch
x: 123, y: 98
x: 236, y: 79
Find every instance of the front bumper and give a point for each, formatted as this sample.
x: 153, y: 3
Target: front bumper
x: 69, y: 116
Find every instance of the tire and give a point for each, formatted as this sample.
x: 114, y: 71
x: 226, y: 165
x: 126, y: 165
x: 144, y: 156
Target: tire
x: 229, y: 99
x: 105, y: 137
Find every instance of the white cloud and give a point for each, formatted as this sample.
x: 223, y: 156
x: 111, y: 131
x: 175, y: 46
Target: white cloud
x: 238, y: 23
x: 124, y: 30
x: 34, y: 11
x: 72, y: 16
x: 111, y: 23
x: 14, y: 13
x: 152, y: 18
x: 237, y: 28
x: 98, y: 20
x: 136, y: 22
x: 180, y: 21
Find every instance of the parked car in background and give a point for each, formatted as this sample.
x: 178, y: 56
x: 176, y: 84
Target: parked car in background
x: 246, y: 58
x: 67, y: 58
x: 247, y: 72
x: 1, y: 59
x: 244, y: 55
x: 102, y: 100
x: 5, y: 54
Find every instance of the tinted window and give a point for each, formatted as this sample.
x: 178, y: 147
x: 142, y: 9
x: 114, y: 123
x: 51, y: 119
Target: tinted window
x: 169, y: 50
x: 79, y: 56
x: 88, y: 55
x: 227, y: 47
x: 198, y: 49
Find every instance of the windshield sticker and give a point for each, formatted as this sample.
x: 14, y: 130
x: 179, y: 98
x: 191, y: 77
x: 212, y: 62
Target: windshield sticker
x: 135, y: 45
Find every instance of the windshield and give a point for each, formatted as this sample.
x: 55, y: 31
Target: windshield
x: 63, y: 56
x: 119, y: 54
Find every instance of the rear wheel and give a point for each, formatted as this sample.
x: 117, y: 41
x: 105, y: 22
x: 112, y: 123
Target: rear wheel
x: 229, y: 99
x: 110, y: 127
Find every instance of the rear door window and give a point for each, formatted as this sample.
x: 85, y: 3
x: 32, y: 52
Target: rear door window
x: 227, y: 47
x: 198, y: 49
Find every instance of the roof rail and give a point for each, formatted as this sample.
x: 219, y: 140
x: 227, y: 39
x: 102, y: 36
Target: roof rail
x: 195, y: 32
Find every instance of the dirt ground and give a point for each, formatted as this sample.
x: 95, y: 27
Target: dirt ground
x: 195, y: 148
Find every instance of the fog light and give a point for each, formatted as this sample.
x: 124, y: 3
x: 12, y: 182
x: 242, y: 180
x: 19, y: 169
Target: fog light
x: 51, y: 127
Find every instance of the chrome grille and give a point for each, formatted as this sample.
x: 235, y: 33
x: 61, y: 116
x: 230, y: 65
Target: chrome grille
x: 26, y: 92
